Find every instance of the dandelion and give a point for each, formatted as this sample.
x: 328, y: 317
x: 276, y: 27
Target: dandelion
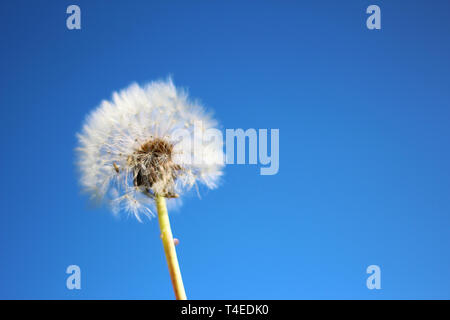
x: 132, y: 157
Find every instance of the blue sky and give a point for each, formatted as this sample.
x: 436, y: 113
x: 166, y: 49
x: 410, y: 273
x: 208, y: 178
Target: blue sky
x: 364, y: 160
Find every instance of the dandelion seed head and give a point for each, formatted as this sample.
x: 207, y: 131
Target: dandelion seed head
x: 129, y: 150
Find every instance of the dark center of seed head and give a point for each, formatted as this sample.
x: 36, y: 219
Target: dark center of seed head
x: 153, y: 163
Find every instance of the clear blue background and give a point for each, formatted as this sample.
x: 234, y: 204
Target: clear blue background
x: 364, y: 148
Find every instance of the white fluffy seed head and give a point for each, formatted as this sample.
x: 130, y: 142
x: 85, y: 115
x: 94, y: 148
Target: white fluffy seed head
x: 130, y: 148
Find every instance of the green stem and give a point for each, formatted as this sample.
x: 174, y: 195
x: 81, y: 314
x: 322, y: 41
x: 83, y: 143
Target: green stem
x: 169, y: 248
